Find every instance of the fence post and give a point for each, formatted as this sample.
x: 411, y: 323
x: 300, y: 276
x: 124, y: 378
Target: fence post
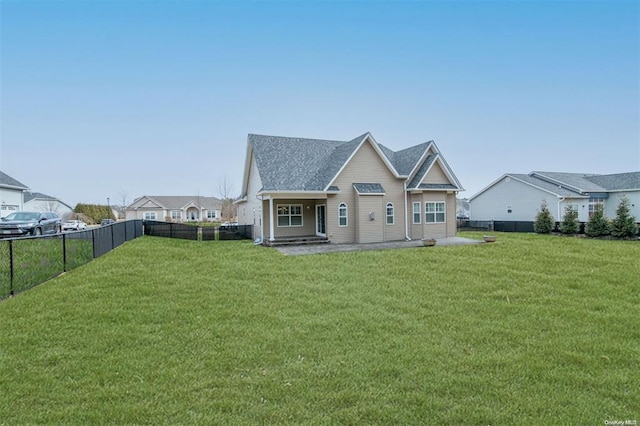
x: 93, y: 242
x: 11, y: 267
x: 64, y: 253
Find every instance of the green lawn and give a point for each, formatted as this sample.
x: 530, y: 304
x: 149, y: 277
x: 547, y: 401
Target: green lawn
x: 528, y: 330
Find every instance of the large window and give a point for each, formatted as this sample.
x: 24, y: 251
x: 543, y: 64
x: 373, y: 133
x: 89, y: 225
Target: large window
x: 390, y: 214
x: 342, y: 214
x: 176, y: 214
x: 434, y: 212
x: 416, y: 212
x: 289, y: 215
x: 150, y: 216
x: 595, y: 204
x: 211, y: 214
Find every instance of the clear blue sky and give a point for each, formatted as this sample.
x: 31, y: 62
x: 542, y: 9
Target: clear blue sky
x: 121, y: 99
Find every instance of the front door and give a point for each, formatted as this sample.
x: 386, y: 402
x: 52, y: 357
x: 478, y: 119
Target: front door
x: 321, y: 218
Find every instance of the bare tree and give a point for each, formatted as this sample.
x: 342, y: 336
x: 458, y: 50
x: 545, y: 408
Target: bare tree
x: 225, y: 192
x: 122, y: 210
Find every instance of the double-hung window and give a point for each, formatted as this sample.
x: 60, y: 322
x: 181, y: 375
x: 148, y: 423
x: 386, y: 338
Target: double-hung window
x: 211, y: 214
x: 176, y: 214
x: 289, y: 215
x: 342, y: 214
x: 390, y: 214
x: 416, y: 212
x: 434, y: 212
x: 150, y: 216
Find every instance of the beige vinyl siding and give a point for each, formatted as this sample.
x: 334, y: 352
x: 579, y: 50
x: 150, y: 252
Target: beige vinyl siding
x: 436, y: 175
x: 366, y: 167
x: 435, y: 230
x: 367, y: 230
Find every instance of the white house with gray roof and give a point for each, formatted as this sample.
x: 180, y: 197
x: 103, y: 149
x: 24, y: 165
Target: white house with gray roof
x: 518, y: 197
x: 179, y: 208
x: 11, y: 199
x: 39, y: 202
x: 346, y: 191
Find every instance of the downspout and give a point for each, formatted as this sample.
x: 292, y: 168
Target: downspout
x: 406, y: 213
x: 560, y: 200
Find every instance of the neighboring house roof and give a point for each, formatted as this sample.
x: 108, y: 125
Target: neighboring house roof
x: 178, y: 202
x: 301, y: 164
x: 574, y: 185
x: 40, y: 197
x: 29, y: 196
x: 7, y: 181
x: 618, y: 182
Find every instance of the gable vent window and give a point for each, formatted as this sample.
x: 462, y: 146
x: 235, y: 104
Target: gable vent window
x: 342, y: 214
x: 289, y: 215
x: 390, y: 214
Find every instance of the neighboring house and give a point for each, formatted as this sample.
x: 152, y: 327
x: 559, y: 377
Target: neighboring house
x: 38, y: 202
x: 518, y: 197
x: 10, y: 195
x: 346, y: 191
x: 175, y: 208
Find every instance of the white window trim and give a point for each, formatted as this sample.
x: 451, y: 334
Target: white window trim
x: 435, y: 212
x: 418, y: 211
x: 152, y: 216
x: 393, y: 214
x: 346, y: 215
x: 290, y: 215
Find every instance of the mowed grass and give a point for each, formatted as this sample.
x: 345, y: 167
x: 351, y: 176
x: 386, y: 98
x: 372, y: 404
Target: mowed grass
x: 528, y: 330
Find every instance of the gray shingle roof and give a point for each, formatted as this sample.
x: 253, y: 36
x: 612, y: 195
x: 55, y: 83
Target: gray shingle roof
x: 369, y: 188
x: 28, y: 196
x: 176, y: 202
x: 574, y: 181
x: 300, y: 164
x: 422, y: 171
x: 617, y: 182
x: 8, y: 181
x: 546, y: 185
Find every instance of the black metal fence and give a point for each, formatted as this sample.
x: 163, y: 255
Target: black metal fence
x: 27, y: 262
x: 192, y: 232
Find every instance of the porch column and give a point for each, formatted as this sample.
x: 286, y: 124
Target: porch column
x: 271, y: 225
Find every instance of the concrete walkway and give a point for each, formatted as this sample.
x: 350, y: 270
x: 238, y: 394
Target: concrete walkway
x: 334, y: 248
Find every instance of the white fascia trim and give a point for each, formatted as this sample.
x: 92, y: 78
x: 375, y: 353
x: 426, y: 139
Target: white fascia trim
x: 293, y: 194
x: 384, y: 158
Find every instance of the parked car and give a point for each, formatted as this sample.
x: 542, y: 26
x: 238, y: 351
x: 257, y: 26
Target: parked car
x: 107, y: 222
x: 74, y: 225
x: 19, y: 224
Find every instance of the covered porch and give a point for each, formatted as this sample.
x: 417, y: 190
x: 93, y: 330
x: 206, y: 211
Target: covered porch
x: 294, y: 219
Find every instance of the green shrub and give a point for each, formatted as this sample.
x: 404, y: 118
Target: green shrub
x: 624, y: 224
x: 598, y: 224
x: 94, y: 212
x: 570, y: 223
x: 544, y: 221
